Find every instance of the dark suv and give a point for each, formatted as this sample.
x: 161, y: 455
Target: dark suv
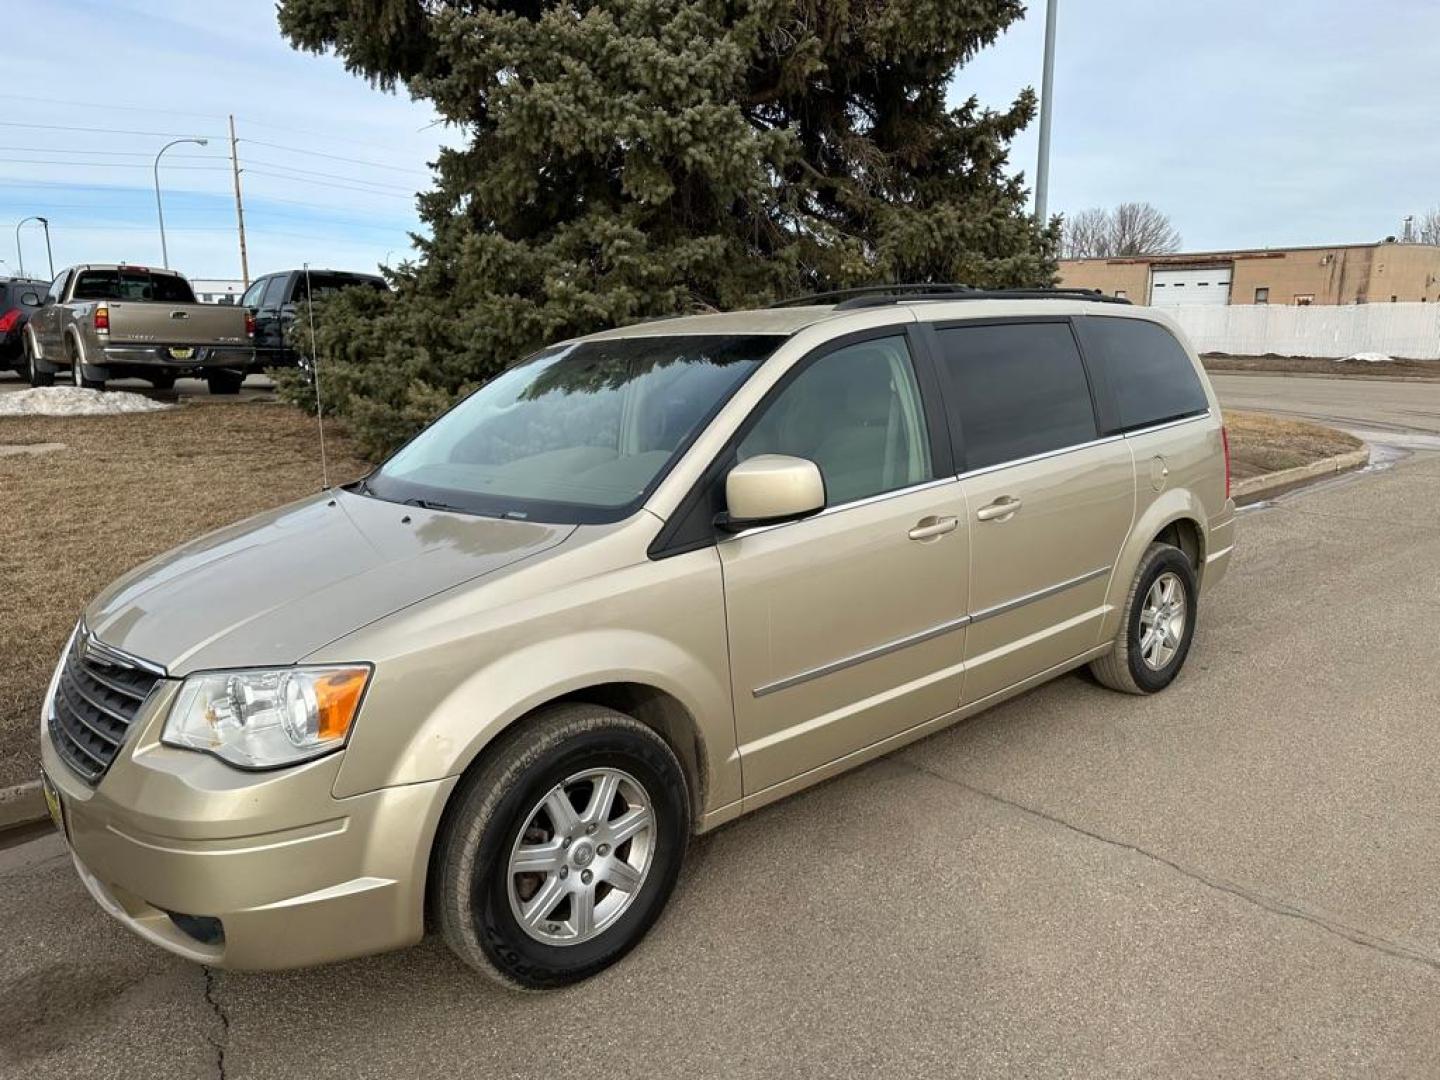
x: 19, y: 298
x: 277, y: 301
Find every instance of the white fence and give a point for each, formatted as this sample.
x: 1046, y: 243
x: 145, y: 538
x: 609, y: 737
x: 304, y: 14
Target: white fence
x: 1411, y: 331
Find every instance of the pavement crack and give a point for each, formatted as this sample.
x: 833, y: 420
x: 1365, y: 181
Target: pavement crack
x: 1329, y: 924
x: 223, y: 1041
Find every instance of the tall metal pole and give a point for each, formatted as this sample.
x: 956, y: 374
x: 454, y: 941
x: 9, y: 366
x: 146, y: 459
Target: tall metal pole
x: 239, y: 206
x: 1047, y: 92
x: 159, y: 209
x: 20, y: 251
x: 49, y: 257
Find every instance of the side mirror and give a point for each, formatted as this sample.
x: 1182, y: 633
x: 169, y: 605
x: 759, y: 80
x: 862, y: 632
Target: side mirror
x: 771, y: 488
x: 30, y: 299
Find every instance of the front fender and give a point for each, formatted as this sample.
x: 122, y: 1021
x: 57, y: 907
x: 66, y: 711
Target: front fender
x: 490, y: 698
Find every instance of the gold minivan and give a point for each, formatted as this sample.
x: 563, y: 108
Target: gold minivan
x: 637, y: 585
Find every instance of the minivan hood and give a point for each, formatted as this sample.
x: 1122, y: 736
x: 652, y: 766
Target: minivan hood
x: 274, y: 588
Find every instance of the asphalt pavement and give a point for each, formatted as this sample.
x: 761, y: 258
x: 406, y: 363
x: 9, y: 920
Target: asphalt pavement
x: 1237, y: 877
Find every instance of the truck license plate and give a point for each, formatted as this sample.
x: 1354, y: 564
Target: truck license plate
x: 181, y: 354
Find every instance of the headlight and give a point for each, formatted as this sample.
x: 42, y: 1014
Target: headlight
x: 265, y: 718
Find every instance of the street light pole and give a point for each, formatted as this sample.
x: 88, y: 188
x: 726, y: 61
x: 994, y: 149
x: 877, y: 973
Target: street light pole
x: 1047, y: 92
x: 19, y: 251
x: 159, y: 209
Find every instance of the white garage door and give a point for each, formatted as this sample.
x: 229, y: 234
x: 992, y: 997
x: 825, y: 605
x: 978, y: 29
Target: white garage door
x: 1171, y: 288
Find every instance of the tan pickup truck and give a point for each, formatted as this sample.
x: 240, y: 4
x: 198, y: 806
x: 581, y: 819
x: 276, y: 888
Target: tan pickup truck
x: 104, y: 321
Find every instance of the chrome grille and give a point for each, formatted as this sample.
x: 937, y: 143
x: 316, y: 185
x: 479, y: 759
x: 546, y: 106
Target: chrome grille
x: 97, y: 697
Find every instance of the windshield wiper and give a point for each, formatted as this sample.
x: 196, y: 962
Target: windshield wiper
x: 430, y: 504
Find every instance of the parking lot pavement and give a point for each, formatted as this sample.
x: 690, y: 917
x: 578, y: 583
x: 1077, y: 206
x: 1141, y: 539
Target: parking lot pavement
x: 1234, y: 878
x: 255, y: 386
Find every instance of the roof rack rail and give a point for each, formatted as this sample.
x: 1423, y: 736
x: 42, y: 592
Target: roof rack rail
x: 879, y: 295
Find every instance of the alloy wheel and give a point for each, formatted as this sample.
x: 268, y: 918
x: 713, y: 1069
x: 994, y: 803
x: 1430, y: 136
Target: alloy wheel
x: 1162, y: 621
x: 581, y: 857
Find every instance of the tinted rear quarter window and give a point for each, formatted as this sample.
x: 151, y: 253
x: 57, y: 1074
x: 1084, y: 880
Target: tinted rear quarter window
x: 1014, y: 390
x: 1147, y: 372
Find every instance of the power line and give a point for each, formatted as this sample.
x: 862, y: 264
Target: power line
x: 108, y: 105
x: 104, y: 164
x: 105, y: 130
x: 332, y: 157
x: 393, y: 194
x: 322, y: 175
x: 106, y: 153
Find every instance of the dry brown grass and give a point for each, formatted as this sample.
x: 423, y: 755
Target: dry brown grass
x: 126, y: 488
x: 1319, y: 365
x: 1260, y: 443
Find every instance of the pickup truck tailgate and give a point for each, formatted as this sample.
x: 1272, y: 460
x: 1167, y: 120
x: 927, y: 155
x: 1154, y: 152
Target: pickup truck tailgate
x: 158, y: 323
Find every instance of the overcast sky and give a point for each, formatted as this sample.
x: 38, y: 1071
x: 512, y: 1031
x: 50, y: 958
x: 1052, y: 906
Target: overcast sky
x: 1251, y: 124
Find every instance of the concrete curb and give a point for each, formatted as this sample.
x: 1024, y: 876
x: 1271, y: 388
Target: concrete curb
x: 1257, y: 487
x: 23, y: 804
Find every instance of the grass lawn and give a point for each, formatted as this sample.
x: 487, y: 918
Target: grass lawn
x: 124, y: 489
x: 128, y: 487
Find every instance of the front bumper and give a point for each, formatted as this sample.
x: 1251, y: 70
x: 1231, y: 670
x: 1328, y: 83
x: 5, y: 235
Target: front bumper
x: 294, y: 876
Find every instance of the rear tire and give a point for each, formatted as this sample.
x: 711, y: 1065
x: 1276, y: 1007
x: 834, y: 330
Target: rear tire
x: 77, y: 371
x: 595, y: 889
x: 1155, y: 632
x: 38, y: 377
x: 224, y: 382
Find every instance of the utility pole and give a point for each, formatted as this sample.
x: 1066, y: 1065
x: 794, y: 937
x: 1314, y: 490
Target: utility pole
x: 49, y: 257
x: 1047, y: 92
x: 239, y: 205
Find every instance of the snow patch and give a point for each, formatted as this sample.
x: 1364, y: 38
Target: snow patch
x: 1370, y: 358
x: 73, y: 401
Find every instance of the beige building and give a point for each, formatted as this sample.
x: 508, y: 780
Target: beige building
x: 1340, y: 274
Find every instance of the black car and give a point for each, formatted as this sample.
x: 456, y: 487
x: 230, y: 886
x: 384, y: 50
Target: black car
x: 18, y: 298
x: 277, y: 301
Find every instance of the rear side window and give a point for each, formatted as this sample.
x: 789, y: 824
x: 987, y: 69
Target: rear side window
x: 1148, y: 373
x: 1014, y: 390
x: 273, y: 292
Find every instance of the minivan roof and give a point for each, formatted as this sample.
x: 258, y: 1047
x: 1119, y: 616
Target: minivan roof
x: 785, y: 321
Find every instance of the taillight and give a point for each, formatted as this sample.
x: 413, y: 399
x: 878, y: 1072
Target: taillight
x: 249, y: 324
x: 102, y: 320
x: 10, y: 320
x: 1225, y: 441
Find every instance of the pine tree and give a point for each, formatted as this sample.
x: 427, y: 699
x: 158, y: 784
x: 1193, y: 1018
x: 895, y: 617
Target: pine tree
x: 633, y: 158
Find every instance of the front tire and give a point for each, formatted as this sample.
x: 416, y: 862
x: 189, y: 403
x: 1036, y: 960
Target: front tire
x: 561, y: 851
x: 1156, y: 627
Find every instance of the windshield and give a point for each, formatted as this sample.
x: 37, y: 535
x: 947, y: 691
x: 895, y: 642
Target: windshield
x: 580, y: 433
x: 132, y: 283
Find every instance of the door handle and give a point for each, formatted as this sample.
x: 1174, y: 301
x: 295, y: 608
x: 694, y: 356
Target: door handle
x: 930, y: 527
x: 999, y: 510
